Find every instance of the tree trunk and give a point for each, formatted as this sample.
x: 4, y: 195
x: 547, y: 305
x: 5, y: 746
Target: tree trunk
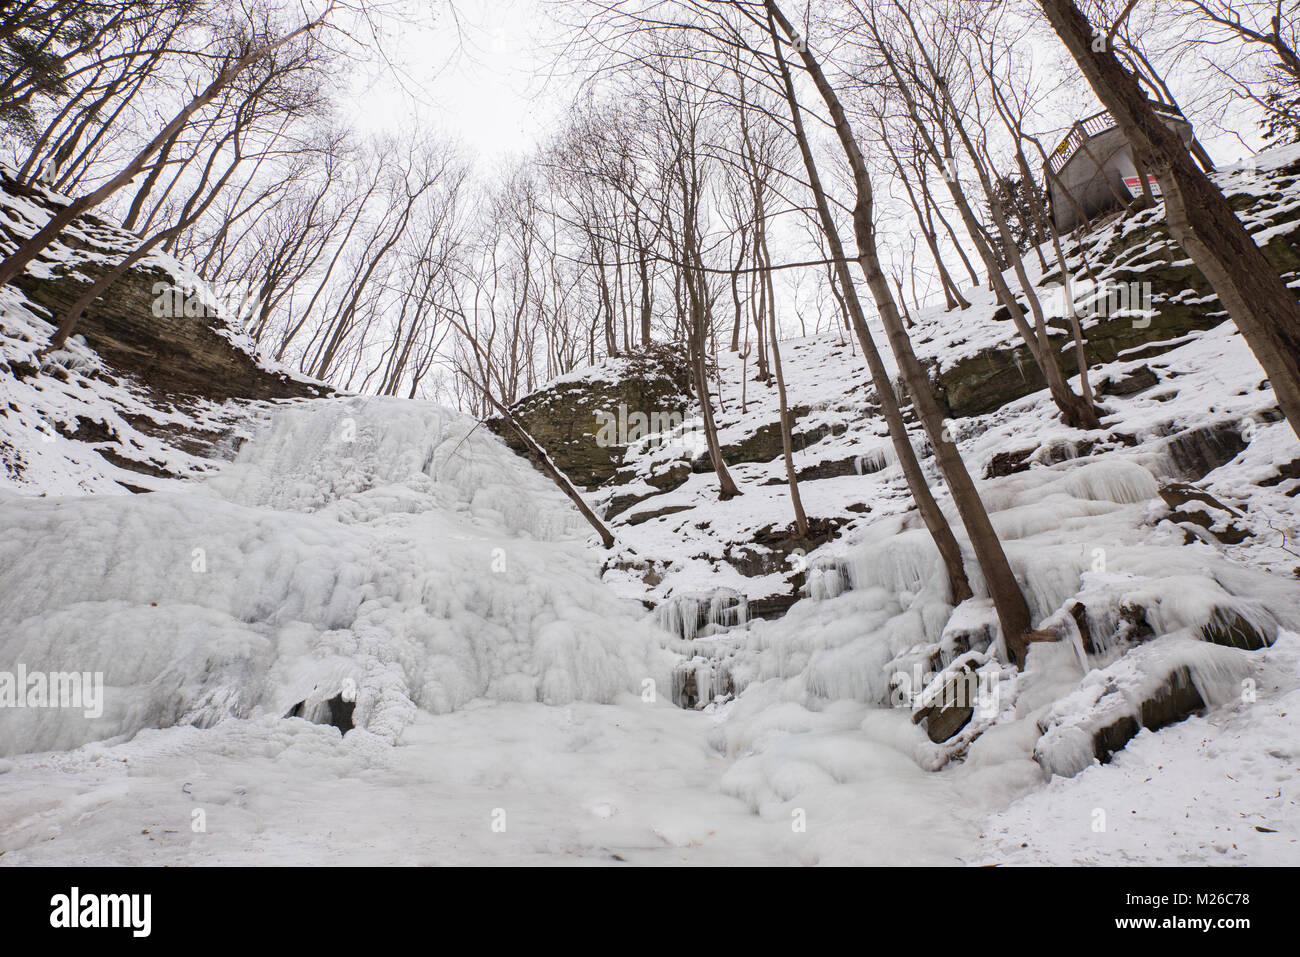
x: 1004, y: 590
x: 551, y: 469
x: 29, y: 249
x: 1199, y: 217
x: 726, y: 485
x: 949, y: 551
x: 787, y: 443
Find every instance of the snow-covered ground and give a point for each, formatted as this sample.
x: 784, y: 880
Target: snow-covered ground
x: 496, y: 783
x: 1218, y: 789
x: 501, y: 695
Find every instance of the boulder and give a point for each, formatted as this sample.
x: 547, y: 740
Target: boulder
x: 1231, y: 629
x: 1129, y: 383
x: 1008, y: 463
x: 1175, y: 700
x: 1153, y: 685
x: 562, y: 417
x: 1192, y: 506
x: 949, y: 703
x: 1195, y: 453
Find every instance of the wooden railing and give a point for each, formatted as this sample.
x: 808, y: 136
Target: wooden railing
x: 1094, y: 125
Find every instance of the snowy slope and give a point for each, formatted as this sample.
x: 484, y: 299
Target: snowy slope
x: 59, y: 416
x: 1218, y: 789
x: 355, y: 539
x: 140, y: 396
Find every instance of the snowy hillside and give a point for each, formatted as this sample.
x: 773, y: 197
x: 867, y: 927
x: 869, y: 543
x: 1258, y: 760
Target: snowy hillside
x: 364, y: 630
x: 153, y: 386
x: 1180, y: 513
x: 1186, y: 401
x: 388, y: 565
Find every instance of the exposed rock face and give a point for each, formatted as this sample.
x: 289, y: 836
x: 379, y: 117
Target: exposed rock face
x: 1008, y: 463
x: 146, y: 325
x: 1202, y: 516
x: 1194, y: 453
x: 1286, y: 472
x: 1181, y: 299
x: 1173, y: 701
x: 1232, y: 630
x: 1137, y: 380
x: 150, y: 391
x: 764, y: 444
x: 990, y: 379
x: 562, y: 417
x: 174, y: 355
x: 772, y: 546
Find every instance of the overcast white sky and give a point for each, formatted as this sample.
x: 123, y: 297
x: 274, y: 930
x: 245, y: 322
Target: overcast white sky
x: 484, y: 72
x: 480, y: 70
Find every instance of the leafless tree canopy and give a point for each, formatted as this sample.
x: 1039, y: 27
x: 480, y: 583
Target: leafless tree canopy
x: 729, y: 170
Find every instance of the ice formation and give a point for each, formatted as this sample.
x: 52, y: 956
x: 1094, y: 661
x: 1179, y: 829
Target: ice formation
x: 877, y: 615
x: 384, y: 543
x: 1106, y: 696
x: 692, y: 616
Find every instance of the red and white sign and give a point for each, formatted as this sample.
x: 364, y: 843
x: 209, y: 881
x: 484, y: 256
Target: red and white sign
x: 1134, y: 185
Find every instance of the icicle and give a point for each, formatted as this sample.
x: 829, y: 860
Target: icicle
x: 693, y: 616
x: 1124, y: 482
x: 903, y: 562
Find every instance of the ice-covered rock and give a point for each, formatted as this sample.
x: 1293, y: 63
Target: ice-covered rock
x: 1150, y: 687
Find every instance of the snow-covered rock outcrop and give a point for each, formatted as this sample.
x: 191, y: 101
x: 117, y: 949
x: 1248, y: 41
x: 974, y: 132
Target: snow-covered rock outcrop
x: 149, y: 388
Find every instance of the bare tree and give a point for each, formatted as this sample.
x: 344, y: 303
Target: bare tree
x: 1004, y: 590
x: 931, y: 514
x: 257, y: 41
x: 917, y: 73
x: 760, y: 156
x: 683, y: 107
x: 1200, y: 219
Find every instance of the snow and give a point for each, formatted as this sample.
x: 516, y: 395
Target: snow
x: 1219, y: 789
x: 696, y: 616
x: 385, y: 542
x: 514, y: 692
x: 370, y: 560
x: 1117, y: 692
x: 41, y: 412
